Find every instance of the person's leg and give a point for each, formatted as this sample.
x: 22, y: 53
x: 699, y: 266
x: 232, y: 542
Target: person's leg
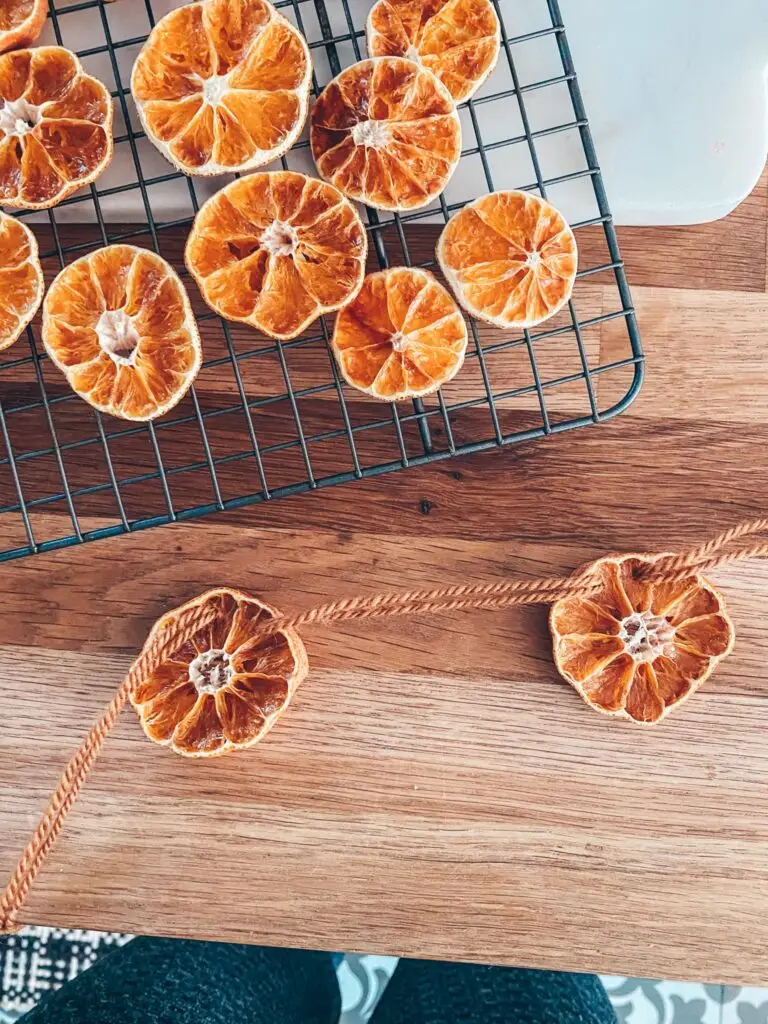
x: 426, y: 992
x: 175, y: 981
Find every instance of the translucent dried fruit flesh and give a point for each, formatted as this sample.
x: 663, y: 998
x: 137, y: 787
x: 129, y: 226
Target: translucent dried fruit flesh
x: 458, y: 40
x: 276, y: 250
x: 637, y: 649
x: 225, y: 688
x: 223, y: 85
x: 21, y: 279
x: 21, y: 22
x: 510, y: 258
x: 386, y: 132
x: 402, y: 337
x: 119, y: 325
x: 55, y: 127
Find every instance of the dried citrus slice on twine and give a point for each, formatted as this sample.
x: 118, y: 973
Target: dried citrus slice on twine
x: 21, y: 279
x: 402, y: 337
x: 21, y: 22
x: 637, y: 649
x: 510, y: 258
x: 55, y: 127
x: 226, y: 687
x: 222, y: 85
x: 119, y: 325
x: 276, y: 250
x: 386, y: 132
x: 458, y: 40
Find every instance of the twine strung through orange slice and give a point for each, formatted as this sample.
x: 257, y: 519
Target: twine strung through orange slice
x: 227, y: 685
x: 635, y: 648
x: 654, y: 599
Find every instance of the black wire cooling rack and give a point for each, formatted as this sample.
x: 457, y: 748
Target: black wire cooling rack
x: 266, y: 419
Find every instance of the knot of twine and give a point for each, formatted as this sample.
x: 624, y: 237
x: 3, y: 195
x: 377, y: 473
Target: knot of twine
x: 671, y: 568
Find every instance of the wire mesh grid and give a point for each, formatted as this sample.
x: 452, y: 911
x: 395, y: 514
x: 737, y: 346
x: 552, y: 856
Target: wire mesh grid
x: 270, y: 419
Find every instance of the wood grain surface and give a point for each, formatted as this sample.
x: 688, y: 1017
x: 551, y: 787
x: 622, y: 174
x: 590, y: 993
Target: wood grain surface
x: 436, y: 790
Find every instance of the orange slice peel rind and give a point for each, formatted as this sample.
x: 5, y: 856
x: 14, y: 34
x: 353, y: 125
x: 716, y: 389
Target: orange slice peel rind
x: 55, y: 127
x: 458, y: 40
x: 386, y: 133
x: 510, y: 259
x: 224, y: 689
x: 276, y: 250
x: 223, y: 85
x: 21, y: 279
x: 403, y: 336
x: 119, y: 325
x: 636, y: 649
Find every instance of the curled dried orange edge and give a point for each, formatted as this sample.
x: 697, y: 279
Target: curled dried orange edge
x: 119, y: 325
x: 21, y: 22
x: 223, y: 85
x: 21, y: 279
x: 386, y: 133
x: 224, y: 689
x: 458, y: 40
x: 635, y: 649
x: 403, y: 336
x: 510, y: 258
x: 276, y: 250
x: 55, y: 127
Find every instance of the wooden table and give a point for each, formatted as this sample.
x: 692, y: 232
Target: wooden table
x: 437, y: 791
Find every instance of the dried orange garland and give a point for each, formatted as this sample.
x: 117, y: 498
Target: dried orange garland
x: 243, y: 658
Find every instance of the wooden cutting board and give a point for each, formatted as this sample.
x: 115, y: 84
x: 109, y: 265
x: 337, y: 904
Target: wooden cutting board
x: 436, y: 790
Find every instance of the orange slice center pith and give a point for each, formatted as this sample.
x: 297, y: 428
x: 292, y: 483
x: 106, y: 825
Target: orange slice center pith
x: 638, y: 649
x: 403, y: 336
x: 119, y: 325
x: 458, y: 40
x: 225, y: 688
x: 223, y: 85
x: 510, y: 258
x: 386, y: 132
x: 276, y: 250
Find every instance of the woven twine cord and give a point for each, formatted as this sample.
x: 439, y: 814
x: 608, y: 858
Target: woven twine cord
x: 547, y: 590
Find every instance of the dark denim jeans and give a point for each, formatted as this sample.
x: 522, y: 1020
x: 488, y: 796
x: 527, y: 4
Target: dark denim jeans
x: 173, y: 981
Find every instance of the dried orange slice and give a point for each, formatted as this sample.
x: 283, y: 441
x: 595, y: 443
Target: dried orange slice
x: 386, y: 132
x: 637, y: 649
x: 21, y: 22
x: 456, y: 39
x: 276, y: 250
x: 119, y: 325
x: 55, y: 127
x: 225, y: 688
x: 21, y: 279
x: 222, y: 85
x: 402, y: 337
x: 510, y: 258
